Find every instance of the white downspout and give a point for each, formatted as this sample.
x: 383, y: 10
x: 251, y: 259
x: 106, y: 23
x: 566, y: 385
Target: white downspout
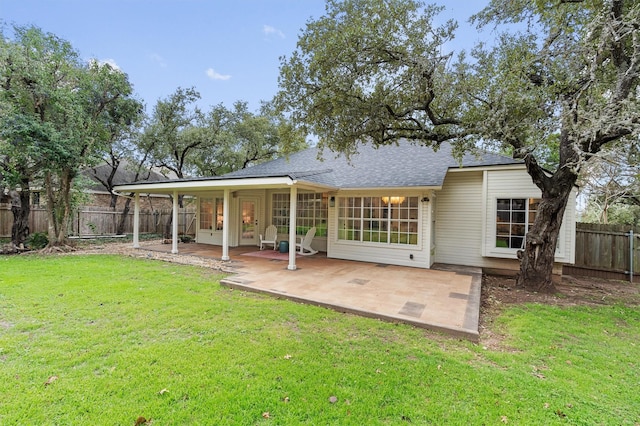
x: 136, y: 221
x: 293, y: 207
x: 174, y: 224
x: 225, y: 226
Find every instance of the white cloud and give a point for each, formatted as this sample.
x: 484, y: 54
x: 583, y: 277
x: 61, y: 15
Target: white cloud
x: 111, y: 62
x: 101, y: 62
x: 158, y: 60
x: 268, y: 30
x: 213, y: 75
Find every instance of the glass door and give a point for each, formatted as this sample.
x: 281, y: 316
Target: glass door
x: 249, y: 222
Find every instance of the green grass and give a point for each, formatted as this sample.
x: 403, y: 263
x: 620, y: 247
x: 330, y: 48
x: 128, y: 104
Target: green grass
x: 126, y: 338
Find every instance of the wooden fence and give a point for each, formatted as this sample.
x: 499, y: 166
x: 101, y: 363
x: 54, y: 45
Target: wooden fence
x: 605, y: 251
x: 89, y: 220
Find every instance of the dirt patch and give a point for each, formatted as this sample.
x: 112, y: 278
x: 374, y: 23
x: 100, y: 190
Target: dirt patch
x: 499, y: 292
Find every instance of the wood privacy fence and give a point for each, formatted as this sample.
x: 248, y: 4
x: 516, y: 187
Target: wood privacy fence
x: 606, y: 251
x: 90, y: 220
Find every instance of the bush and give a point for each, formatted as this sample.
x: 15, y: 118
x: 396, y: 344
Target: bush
x: 37, y: 241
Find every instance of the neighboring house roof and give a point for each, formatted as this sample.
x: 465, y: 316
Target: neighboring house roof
x: 401, y: 165
x: 125, y: 174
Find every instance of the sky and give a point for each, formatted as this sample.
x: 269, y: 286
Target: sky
x: 229, y: 50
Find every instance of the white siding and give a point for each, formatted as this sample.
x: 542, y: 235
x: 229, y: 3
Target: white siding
x: 459, y: 220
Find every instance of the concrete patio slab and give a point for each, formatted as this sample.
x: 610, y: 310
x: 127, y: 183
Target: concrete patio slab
x: 445, y: 299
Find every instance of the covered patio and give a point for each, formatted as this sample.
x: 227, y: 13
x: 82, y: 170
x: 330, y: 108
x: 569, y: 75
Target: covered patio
x: 446, y: 298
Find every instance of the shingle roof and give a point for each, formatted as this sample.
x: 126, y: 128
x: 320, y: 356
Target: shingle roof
x: 402, y: 165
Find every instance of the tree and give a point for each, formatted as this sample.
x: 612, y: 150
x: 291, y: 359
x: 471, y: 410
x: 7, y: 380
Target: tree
x: 245, y: 139
x: 60, y: 116
x: 127, y: 156
x: 375, y: 71
x: 610, y: 182
x: 172, y: 131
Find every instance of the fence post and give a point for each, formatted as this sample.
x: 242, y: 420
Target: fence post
x: 631, y: 238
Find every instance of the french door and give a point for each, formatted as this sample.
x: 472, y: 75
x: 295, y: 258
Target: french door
x: 248, y: 222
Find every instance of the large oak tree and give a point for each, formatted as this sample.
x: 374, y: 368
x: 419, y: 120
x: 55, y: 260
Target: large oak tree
x: 561, y: 81
x: 59, y: 115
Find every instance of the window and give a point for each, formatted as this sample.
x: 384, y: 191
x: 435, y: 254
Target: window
x: 207, y: 208
x: 219, y: 213
x: 386, y: 220
x: 514, y: 217
x: 311, y: 211
x: 206, y: 213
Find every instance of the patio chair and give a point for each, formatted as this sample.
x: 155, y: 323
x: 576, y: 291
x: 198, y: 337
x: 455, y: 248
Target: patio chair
x: 305, y: 243
x: 270, y: 236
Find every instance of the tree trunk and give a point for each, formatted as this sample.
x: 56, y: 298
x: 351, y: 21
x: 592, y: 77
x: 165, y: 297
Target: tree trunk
x: 52, y: 231
x: 537, y: 259
x: 66, y: 181
x: 21, y: 209
x: 168, y: 228
x: 58, y: 207
x: 123, y: 216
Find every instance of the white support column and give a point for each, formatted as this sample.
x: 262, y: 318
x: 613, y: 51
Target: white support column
x: 136, y: 220
x: 293, y: 207
x: 174, y: 223
x: 225, y: 225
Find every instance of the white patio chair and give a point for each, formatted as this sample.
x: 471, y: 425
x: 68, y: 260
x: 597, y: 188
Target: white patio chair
x: 270, y: 236
x: 305, y: 243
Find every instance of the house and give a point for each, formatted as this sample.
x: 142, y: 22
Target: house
x: 403, y: 204
x: 101, y: 176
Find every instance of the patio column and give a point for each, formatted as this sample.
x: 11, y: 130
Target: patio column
x: 293, y: 207
x: 136, y: 220
x: 225, y: 225
x: 174, y: 224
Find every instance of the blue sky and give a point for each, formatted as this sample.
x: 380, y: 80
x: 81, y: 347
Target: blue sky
x: 228, y: 50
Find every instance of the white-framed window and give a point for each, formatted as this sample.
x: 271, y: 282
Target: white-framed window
x: 514, y: 218
x: 219, y: 205
x: 206, y: 213
x: 311, y: 211
x: 209, y: 206
x: 383, y: 220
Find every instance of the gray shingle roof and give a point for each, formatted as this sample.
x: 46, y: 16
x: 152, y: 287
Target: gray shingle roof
x: 404, y: 165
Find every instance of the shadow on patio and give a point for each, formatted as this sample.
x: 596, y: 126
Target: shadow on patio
x: 445, y: 299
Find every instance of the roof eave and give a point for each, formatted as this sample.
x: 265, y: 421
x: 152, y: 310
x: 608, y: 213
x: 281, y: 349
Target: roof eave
x: 203, y: 184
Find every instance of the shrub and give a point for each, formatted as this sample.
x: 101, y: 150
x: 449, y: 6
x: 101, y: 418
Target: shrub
x: 37, y: 240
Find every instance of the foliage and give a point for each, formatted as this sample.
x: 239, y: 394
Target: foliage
x: 190, y: 142
x: 610, y: 183
x: 63, y: 114
x: 558, y: 85
x: 372, y: 72
x: 107, y: 339
x: 37, y: 240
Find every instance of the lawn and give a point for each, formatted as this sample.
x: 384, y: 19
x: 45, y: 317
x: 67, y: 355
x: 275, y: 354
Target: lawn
x: 111, y: 340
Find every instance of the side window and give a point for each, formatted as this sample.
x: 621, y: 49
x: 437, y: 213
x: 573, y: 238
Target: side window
x: 514, y: 217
